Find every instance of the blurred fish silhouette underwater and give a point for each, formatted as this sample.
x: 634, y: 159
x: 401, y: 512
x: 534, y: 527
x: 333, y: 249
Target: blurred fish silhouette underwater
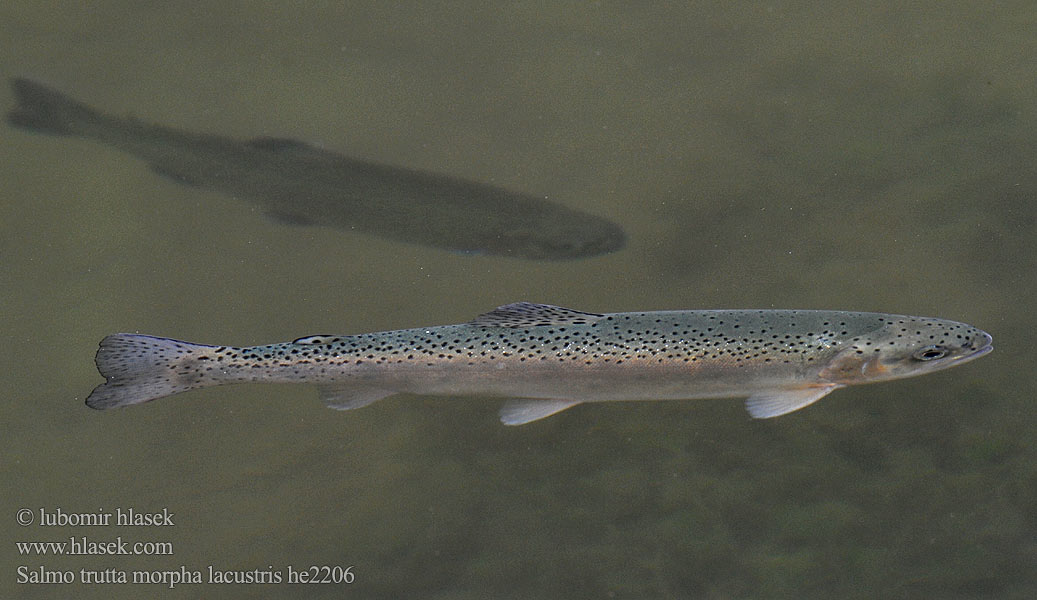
x: 546, y: 359
x: 302, y: 185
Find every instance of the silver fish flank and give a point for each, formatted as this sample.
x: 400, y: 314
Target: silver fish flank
x: 545, y: 359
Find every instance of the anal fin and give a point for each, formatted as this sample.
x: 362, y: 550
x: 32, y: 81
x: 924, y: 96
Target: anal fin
x: 348, y: 397
x: 522, y: 411
x: 764, y: 405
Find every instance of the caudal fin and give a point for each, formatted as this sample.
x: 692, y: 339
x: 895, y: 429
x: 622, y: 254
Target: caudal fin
x: 43, y: 109
x: 141, y: 368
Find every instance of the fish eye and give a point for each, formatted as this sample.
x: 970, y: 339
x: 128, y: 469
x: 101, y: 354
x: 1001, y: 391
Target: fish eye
x: 930, y: 353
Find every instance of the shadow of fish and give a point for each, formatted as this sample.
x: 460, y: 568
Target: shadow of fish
x: 299, y: 184
x: 547, y: 359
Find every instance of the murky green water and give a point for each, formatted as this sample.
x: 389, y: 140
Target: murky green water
x: 759, y: 155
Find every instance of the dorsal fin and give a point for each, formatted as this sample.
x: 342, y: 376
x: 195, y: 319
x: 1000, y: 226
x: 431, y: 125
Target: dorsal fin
x: 317, y: 339
x: 527, y: 314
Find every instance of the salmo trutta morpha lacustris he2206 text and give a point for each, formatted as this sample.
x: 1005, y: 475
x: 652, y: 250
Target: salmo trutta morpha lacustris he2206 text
x: 546, y: 359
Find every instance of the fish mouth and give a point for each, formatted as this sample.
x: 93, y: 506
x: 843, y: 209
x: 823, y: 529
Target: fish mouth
x: 984, y: 345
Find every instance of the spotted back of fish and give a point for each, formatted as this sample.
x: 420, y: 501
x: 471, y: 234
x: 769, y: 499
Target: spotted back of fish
x: 526, y: 332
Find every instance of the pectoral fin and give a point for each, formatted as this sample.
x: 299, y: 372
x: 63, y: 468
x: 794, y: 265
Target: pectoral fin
x: 342, y: 397
x: 764, y: 405
x: 520, y: 412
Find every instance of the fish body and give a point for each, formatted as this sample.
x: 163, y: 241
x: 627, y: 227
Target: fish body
x: 299, y: 184
x: 546, y: 359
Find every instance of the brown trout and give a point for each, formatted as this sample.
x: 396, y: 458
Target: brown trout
x: 546, y: 359
x: 301, y: 185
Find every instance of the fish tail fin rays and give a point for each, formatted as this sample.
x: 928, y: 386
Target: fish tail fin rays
x: 142, y: 368
x: 764, y: 405
x: 45, y: 110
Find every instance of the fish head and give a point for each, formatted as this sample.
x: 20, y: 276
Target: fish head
x: 905, y: 347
